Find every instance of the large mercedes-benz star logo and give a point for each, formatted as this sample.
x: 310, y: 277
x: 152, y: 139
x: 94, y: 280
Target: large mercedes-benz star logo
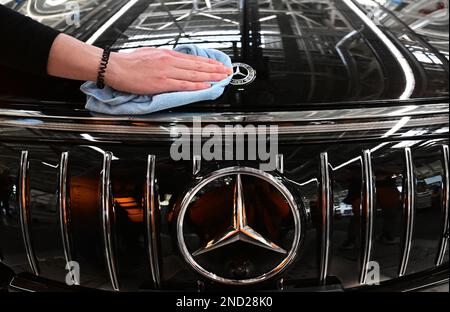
x: 262, y: 238
x: 242, y: 74
x: 240, y: 230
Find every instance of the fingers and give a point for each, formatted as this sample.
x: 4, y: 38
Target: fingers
x: 201, y: 64
x: 182, y: 85
x: 195, y: 58
x: 195, y: 76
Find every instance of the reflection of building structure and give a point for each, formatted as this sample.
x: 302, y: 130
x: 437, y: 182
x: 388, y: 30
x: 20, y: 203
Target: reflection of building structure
x: 54, y: 13
x: 426, y: 17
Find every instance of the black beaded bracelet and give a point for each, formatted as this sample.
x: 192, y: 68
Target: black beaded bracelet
x: 102, y: 68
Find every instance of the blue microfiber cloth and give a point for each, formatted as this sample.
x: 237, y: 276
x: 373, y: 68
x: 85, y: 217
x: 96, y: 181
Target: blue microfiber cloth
x: 110, y: 101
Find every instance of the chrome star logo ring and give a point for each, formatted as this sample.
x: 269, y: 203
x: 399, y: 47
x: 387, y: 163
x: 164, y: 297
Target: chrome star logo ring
x: 255, y: 242
x: 243, y: 74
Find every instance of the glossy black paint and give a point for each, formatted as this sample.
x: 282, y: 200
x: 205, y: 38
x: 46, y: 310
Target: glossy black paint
x: 305, y: 53
x: 298, y: 67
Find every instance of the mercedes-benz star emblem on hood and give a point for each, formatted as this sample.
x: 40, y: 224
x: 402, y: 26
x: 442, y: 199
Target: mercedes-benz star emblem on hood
x: 243, y: 74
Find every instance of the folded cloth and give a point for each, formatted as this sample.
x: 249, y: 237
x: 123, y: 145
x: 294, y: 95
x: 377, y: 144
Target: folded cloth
x: 110, y: 101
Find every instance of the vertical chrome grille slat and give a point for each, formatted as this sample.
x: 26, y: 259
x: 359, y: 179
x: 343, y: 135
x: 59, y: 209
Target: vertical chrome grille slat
x: 63, y: 207
x: 327, y: 213
x: 445, y: 207
x: 280, y: 163
x: 150, y: 214
x: 196, y: 164
x: 108, y: 218
x: 368, y: 203
x: 408, y: 203
x: 24, y: 212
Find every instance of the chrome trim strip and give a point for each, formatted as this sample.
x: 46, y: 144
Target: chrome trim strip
x: 149, y: 129
x: 368, y: 206
x: 233, y: 117
x: 25, y: 213
x: 150, y: 215
x: 445, y: 206
x: 196, y: 164
x: 327, y: 214
x: 63, y: 206
x: 108, y: 218
x: 408, y: 203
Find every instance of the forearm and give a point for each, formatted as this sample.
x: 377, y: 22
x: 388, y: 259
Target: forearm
x: 73, y: 59
x: 25, y: 43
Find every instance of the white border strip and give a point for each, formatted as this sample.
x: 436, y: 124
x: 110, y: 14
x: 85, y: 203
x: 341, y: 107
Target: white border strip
x: 111, y: 21
x: 407, y: 70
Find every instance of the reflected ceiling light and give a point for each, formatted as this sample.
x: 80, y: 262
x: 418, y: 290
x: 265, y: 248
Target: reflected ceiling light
x: 405, y: 144
x: 170, y: 3
x: 182, y: 17
x: 376, y: 148
x: 403, y: 110
x: 55, y: 2
x: 413, y: 133
x: 218, y: 18
x: 216, y: 32
x: 111, y: 21
x: 98, y: 149
x: 49, y: 165
x: 397, y: 126
x: 358, y: 158
x: 313, y: 180
x: 88, y: 137
x: 267, y: 18
x: 409, y: 143
x: 165, y: 26
x: 179, y: 18
x: 230, y: 21
x: 441, y: 130
x: 371, y: 3
x: 210, y: 15
x: 39, y: 17
x: 149, y: 36
x: 410, y: 81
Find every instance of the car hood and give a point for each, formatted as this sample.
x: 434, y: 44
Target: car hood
x: 303, y: 52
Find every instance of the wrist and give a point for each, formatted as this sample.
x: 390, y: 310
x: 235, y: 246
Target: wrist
x: 73, y: 59
x: 113, y: 69
x: 103, y: 67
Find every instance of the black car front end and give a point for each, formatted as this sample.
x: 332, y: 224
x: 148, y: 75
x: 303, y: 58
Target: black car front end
x: 342, y: 183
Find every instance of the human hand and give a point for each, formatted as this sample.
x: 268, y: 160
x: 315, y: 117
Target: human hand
x: 152, y: 71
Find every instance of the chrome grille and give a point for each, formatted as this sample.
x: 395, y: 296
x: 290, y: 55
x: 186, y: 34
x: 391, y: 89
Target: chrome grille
x: 315, y: 176
x: 151, y: 213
